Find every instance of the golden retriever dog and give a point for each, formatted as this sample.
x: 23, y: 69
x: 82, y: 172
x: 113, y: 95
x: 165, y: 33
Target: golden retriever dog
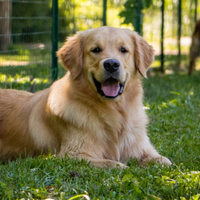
x: 95, y: 112
x: 195, y: 47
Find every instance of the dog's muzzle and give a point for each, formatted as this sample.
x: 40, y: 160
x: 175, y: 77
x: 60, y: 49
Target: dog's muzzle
x: 111, y: 87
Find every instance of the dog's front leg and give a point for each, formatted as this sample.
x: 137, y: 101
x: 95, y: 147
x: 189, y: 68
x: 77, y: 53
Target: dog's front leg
x: 106, y: 163
x: 102, y: 163
x: 97, y: 162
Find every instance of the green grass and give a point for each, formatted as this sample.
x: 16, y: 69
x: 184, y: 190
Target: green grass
x: 22, y: 77
x: 173, y: 103
x: 56, y: 178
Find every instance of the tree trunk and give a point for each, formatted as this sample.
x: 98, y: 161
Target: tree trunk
x: 5, y: 24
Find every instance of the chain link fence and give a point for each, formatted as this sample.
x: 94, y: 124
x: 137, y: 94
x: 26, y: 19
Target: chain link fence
x: 25, y: 43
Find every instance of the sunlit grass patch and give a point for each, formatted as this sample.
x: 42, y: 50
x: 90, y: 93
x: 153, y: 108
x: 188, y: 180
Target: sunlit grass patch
x: 16, y: 58
x: 18, y: 79
x: 21, y: 82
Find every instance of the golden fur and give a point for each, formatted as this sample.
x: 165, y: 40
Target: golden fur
x: 72, y: 118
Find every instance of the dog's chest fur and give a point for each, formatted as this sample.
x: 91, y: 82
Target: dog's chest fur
x: 103, y: 130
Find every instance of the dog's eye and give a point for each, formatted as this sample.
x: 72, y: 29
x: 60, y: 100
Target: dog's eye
x: 123, y: 50
x: 96, y: 50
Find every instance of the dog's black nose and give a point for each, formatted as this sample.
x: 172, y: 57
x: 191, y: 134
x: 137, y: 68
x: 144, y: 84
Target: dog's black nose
x: 111, y: 65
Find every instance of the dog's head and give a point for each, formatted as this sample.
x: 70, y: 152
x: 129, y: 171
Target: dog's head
x: 107, y: 57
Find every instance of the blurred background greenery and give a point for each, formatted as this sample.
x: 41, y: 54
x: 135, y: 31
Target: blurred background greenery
x: 26, y: 33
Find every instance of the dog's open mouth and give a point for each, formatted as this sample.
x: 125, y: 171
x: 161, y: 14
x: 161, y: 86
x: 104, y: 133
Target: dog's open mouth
x: 111, y: 88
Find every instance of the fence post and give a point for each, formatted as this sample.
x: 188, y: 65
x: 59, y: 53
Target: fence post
x: 162, y: 37
x: 104, y: 12
x: 54, y: 40
x: 74, y: 17
x: 138, y: 16
x: 179, y: 33
x: 5, y: 24
x: 195, y: 11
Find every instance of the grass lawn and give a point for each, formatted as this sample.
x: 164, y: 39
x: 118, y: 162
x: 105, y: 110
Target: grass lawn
x: 172, y: 103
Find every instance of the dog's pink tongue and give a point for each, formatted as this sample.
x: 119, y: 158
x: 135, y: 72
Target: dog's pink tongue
x: 110, y: 88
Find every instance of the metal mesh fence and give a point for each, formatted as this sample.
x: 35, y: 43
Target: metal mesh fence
x: 26, y: 34
x: 25, y: 43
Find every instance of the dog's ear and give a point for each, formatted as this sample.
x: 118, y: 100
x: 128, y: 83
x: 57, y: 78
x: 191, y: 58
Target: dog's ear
x: 143, y: 54
x: 71, y: 55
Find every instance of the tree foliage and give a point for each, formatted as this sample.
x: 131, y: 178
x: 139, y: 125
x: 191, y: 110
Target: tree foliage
x: 133, y: 12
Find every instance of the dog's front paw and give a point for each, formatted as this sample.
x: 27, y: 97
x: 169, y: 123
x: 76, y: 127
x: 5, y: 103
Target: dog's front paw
x: 121, y: 166
x: 158, y: 159
x: 163, y: 160
x: 114, y: 164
